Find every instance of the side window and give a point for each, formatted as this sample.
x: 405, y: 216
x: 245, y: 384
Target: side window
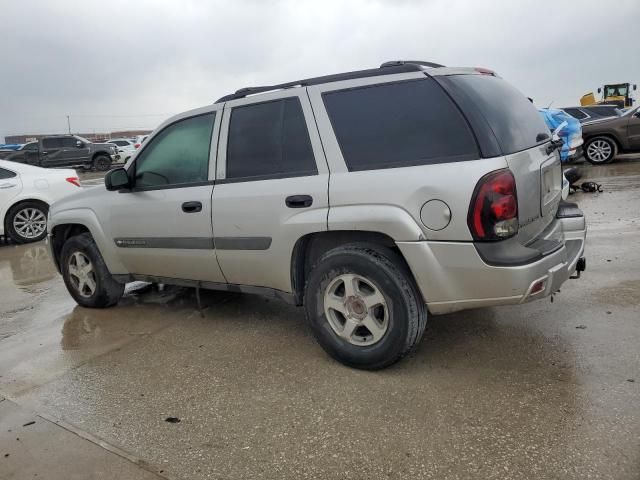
x: 575, y: 113
x: 398, y: 124
x: 179, y: 154
x: 269, y: 139
x: 31, y: 147
x: 4, y: 174
x: 52, y: 143
x: 120, y: 143
x: 69, y: 142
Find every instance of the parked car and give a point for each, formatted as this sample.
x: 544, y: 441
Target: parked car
x: 605, y: 138
x: 368, y: 197
x: 568, y: 129
x: 10, y: 146
x: 139, y: 140
x: 592, y: 112
x: 126, y: 148
x: 26, y: 193
x: 64, y: 151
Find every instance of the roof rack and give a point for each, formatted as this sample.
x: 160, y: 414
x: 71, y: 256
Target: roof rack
x: 387, y: 68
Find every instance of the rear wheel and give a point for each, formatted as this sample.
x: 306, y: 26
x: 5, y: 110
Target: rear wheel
x: 363, y: 306
x: 27, y: 222
x: 600, y: 150
x: 102, y: 163
x: 85, y: 274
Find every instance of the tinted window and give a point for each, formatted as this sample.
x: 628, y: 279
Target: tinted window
x: 52, y: 143
x: 69, y: 142
x: 120, y: 143
x: 398, y: 124
x: 575, y: 113
x: 4, y: 174
x: 179, y: 154
x: 31, y: 147
x: 512, y: 117
x: 267, y: 139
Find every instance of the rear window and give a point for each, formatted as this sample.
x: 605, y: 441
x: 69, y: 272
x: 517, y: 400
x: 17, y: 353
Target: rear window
x: 512, y: 117
x: 398, y: 124
x: 576, y: 113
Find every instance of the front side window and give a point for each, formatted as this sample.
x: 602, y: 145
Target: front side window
x: 269, y: 139
x: 179, y: 154
x: 69, y: 142
x: 398, y: 124
x: 52, y: 143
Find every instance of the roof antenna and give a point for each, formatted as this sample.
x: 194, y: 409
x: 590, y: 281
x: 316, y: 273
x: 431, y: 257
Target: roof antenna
x: 549, y: 106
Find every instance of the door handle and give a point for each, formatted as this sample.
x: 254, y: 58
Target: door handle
x: 299, y: 201
x: 191, y: 207
x: 7, y: 185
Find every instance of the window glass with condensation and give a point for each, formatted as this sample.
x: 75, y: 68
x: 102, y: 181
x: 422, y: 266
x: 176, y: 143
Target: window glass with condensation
x: 178, y: 155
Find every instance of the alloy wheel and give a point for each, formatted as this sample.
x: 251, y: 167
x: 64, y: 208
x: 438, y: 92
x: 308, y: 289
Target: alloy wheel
x: 30, y: 223
x: 599, y: 150
x: 356, y: 309
x: 82, y: 274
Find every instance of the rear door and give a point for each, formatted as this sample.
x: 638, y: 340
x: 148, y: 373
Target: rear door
x: 52, y: 153
x: 271, y: 187
x: 523, y: 137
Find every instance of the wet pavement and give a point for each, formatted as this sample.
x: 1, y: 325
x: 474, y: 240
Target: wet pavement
x: 543, y: 390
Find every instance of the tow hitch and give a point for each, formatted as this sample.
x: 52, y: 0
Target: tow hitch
x: 581, y: 266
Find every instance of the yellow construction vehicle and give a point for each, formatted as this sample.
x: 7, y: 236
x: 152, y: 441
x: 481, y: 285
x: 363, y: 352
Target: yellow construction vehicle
x: 613, y: 94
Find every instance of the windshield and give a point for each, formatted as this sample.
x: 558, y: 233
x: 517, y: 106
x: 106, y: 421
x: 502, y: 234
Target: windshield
x: 615, y: 91
x: 82, y: 139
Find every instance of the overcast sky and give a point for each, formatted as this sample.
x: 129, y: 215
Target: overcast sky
x: 115, y: 64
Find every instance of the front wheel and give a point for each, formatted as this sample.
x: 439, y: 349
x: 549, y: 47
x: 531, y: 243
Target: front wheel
x: 102, y: 163
x: 363, y: 307
x: 86, y: 275
x: 600, y: 150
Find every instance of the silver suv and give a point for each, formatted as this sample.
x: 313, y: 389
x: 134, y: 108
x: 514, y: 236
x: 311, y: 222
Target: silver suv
x: 371, y: 198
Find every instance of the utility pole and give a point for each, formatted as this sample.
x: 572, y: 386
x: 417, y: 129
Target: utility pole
x: 68, y: 124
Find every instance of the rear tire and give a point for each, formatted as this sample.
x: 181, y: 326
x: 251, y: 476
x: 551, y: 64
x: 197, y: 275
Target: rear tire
x: 102, y: 163
x: 86, y: 275
x: 363, y: 306
x: 600, y: 150
x: 27, y: 222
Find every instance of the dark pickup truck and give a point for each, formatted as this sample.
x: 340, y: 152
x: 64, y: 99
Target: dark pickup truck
x: 64, y: 151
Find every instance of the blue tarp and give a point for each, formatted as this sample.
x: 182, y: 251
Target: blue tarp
x: 571, y: 134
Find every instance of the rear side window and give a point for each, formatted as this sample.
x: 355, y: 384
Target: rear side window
x: 178, y: 155
x: 398, y: 124
x: 514, y: 120
x: 4, y: 174
x: 576, y: 113
x: 269, y: 139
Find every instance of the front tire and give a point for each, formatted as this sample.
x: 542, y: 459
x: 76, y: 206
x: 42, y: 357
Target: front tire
x: 600, y: 150
x: 363, y: 306
x: 27, y: 222
x: 102, y: 163
x: 86, y: 275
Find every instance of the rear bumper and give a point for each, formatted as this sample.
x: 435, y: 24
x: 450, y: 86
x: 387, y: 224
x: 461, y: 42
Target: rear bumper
x: 454, y: 276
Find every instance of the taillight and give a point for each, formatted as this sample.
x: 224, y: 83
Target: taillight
x: 493, y: 214
x: 137, y: 145
x: 73, y: 180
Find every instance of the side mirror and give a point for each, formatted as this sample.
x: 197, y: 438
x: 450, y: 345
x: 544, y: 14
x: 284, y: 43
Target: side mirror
x: 599, y: 90
x: 117, y: 179
x: 79, y: 144
x: 635, y: 87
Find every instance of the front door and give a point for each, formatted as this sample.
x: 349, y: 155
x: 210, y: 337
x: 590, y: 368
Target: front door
x: 162, y: 227
x: 633, y: 129
x: 271, y: 187
x: 74, y: 152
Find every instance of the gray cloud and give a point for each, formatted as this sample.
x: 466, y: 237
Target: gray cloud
x: 122, y: 64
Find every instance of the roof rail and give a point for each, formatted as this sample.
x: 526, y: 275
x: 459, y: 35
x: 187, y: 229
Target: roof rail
x: 394, y: 63
x: 387, y: 68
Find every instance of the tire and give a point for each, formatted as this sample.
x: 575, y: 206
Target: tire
x: 27, y: 221
x: 102, y: 163
x: 384, y: 296
x: 91, y: 286
x: 600, y: 150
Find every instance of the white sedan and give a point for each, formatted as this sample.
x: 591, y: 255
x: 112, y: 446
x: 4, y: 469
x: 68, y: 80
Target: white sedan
x: 25, y: 195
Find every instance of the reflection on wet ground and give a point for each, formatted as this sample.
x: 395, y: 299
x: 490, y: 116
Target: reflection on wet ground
x: 543, y: 390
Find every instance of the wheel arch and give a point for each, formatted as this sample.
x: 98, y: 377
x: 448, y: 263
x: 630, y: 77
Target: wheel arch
x: 608, y: 135
x: 309, y: 248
